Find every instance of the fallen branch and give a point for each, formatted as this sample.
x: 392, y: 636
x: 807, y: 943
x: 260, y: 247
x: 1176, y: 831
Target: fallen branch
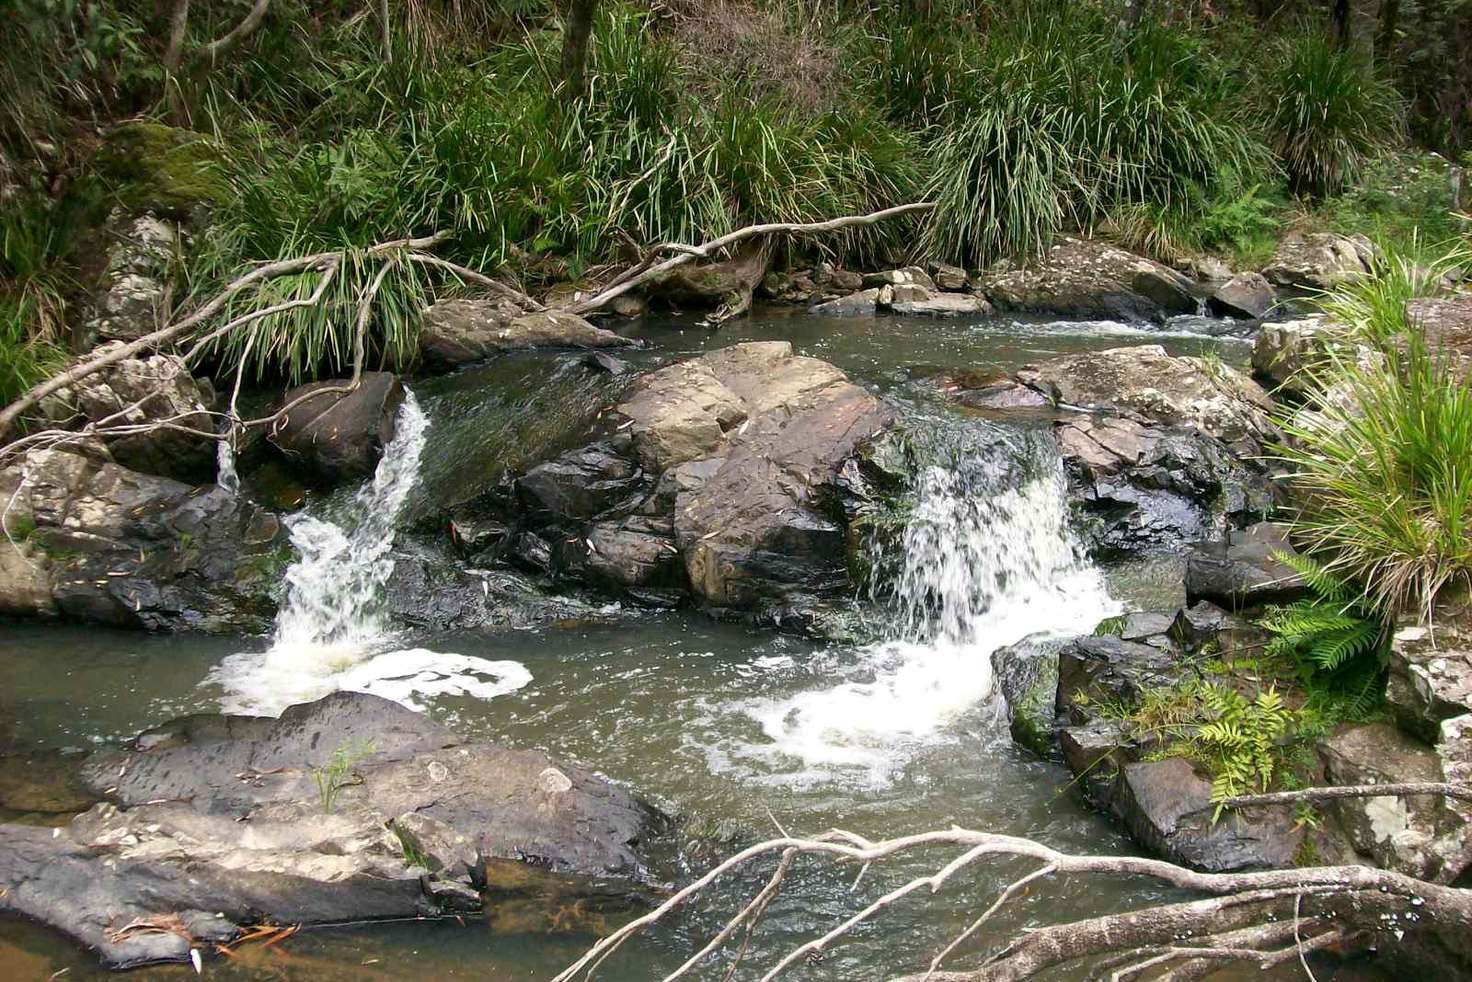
x: 688, y: 253
x: 1253, y: 916
x: 1460, y: 792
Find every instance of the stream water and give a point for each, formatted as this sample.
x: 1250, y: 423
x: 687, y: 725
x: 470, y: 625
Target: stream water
x: 735, y: 728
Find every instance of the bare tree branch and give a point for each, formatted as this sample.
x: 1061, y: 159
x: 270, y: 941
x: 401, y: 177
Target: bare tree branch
x: 1461, y: 792
x: 227, y: 42
x: 687, y: 253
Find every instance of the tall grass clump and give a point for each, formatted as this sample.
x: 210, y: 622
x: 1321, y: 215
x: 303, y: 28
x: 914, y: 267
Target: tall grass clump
x: 1326, y: 112
x: 1382, y: 461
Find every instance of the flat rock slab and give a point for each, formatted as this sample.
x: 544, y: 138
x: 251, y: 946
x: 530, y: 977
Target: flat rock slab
x: 214, y: 823
x: 1088, y: 278
x: 943, y: 305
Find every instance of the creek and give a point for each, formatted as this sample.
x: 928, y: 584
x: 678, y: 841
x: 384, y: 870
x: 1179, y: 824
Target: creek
x: 737, y: 728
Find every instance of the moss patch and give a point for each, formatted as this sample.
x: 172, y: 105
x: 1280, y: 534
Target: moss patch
x: 164, y: 169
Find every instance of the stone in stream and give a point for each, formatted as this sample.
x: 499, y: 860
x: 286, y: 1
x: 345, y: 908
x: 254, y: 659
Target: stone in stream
x: 335, y: 435
x: 942, y: 305
x: 947, y: 277
x: 454, y: 332
x: 1246, y: 295
x: 910, y: 276
x: 109, y: 545
x: 215, y: 823
x: 1087, y: 278
x: 851, y: 305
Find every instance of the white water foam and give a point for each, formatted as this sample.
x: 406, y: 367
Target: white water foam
x: 330, y: 634
x: 980, y: 569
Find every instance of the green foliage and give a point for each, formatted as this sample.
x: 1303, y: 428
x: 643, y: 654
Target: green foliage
x: 1334, y: 637
x: 1326, y: 111
x: 1403, y: 201
x: 337, y: 773
x: 1379, y: 459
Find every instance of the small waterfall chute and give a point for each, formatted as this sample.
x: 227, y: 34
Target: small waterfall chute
x: 330, y: 632
x: 985, y: 559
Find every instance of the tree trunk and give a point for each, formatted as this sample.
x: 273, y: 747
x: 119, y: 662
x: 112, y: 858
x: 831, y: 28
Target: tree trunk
x: 575, y: 44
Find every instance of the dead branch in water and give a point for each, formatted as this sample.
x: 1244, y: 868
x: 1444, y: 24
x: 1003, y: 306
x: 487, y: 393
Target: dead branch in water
x: 651, y: 269
x: 1263, y: 918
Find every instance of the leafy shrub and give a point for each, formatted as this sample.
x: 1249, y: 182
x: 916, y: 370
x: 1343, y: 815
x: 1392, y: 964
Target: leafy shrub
x: 1326, y: 112
x: 1379, y: 459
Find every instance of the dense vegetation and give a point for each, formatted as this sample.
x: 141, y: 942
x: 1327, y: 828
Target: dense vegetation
x: 1188, y: 129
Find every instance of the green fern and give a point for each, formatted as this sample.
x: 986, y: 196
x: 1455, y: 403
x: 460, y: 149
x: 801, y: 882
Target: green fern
x: 1334, y: 631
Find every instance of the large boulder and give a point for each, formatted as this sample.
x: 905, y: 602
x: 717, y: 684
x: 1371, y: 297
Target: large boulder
x: 151, y: 389
x: 453, y: 332
x: 1088, y: 278
x: 1167, y: 806
x: 1284, y: 352
x: 1109, y: 670
x: 722, y: 476
x: 113, y: 546
x: 338, y: 435
x: 1172, y: 389
x: 1424, y: 836
x: 1139, y: 486
x: 212, y: 824
x: 1245, y: 568
x: 1319, y: 260
x: 1246, y: 295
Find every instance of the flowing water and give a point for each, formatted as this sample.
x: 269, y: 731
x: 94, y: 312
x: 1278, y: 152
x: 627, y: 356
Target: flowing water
x: 737, y: 729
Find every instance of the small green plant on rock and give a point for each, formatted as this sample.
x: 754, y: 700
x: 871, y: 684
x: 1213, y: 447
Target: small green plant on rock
x: 1332, y: 635
x: 337, y: 773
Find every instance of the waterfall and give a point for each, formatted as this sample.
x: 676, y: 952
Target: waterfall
x: 225, y: 474
x: 331, y: 633
x: 985, y: 559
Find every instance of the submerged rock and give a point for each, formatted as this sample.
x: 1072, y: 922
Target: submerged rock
x: 337, y: 435
x: 113, y: 546
x: 1088, y: 278
x: 455, y: 332
x: 851, y: 305
x: 346, y: 809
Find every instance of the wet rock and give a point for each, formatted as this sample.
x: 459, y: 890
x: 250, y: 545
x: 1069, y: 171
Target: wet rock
x: 580, y: 484
x: 1107, y: 669
x: 1088, y: 278
x: 139, y: 391
x: 43, y: 783
x: 134, y: 291
x: 942, y: 305
x: 724, y: 286
x: 430, y: 590
x: 946, y: 277
x: 628, y: 305
x: 1167, y: 807
x: 855, y: 304
x: 224, y: 825
x: 1425, y: 837
x: 454, y: 332
x: 136, y: 550
x: 1283, y: 350
x: 1246, y: 295
x: 1002, y: 394
x: 1430, y: 674
x: 1139, y: 486
x: 1243, y: 569
x: 335, y: 435
x: 637, y: 553
x: 1095, y: 752
x: 796, y: 287
x: 1319, y: 260
x: 1026, y: 675
x: 1215, y: 398
x: 842, y: 281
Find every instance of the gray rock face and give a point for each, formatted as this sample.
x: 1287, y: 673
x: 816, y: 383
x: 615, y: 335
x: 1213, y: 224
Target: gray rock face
x: 860, y: 303
x: 1026, y: 675
x: 1426, y: 837
x: 1216, y: 399
x: 144, y: 390
x: 1431, y: 673
x: 717, y: 477
x: 134, y: 288
x: 455, y: 332
x: 1108, y: 669
x: 1167, y: 806
x: 908, y: 276
x: 339, y: 436
x: 1283, y: 350
x: 1087, y: 278
x: 1319, y: 260
x: 942, y: 305
x: 1246, y: 295
x: 1243, y: 569
x: 220, y: 821
x: 1139, y: 486
x: 113, y: 546
x: 947, y: 277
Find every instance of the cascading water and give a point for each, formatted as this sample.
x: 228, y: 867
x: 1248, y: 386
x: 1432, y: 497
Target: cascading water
x: 330, y: 633
x: 985, y: 559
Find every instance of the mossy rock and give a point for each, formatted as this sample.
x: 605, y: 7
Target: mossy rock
x: 163, y: 169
